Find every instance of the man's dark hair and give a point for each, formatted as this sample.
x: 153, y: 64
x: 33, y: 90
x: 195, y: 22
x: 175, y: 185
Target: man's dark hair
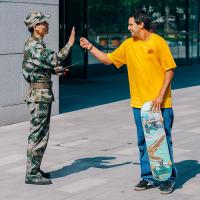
x: 31, y: 30
x: 141, y: 16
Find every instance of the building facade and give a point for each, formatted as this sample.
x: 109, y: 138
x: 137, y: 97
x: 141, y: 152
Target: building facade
x: 14, y: 33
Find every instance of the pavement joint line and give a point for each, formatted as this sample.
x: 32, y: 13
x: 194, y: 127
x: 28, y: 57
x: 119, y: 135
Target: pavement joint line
x: 82, y: 185
x: 12, y: 159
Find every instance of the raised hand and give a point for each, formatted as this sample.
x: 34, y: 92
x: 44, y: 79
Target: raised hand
x: 72, y: 37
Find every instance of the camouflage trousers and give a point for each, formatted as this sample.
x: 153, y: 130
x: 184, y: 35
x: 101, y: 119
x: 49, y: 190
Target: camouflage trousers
x: 39, y: 135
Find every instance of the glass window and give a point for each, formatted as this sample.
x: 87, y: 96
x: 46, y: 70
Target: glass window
x: 193, y: 28
x: 107, y: 24
x: 176, y: 27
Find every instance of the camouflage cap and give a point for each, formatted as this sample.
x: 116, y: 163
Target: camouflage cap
x: 34, y: 18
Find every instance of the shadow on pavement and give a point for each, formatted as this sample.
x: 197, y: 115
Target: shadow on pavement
x: 187, y: 169
x: 83, y: 164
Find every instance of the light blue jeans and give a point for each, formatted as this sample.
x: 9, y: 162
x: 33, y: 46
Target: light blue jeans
x: 146, y: 173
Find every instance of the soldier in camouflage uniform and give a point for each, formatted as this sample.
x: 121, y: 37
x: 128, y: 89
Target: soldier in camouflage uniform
x: 38, y: 65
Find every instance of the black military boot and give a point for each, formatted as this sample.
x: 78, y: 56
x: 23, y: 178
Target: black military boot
x: 45, y: 174
x: 37, y: 179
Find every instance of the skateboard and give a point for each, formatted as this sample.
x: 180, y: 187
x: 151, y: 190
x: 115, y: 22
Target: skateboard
x: 157, y: 147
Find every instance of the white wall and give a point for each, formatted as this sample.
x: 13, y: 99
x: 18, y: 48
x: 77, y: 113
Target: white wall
x: 13, y: 36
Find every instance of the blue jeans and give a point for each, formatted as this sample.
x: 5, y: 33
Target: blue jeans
x: 146, y: 173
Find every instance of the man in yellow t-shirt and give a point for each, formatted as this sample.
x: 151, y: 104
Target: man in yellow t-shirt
x: 150, y: 71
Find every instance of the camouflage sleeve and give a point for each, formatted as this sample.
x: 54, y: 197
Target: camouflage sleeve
x: 48, y: 59
x: 62, y: 54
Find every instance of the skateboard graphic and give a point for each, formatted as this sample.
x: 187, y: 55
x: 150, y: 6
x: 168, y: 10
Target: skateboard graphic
x: 157, y: 147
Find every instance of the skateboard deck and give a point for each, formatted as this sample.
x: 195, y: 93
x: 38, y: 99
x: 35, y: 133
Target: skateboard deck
x: 157, y: 147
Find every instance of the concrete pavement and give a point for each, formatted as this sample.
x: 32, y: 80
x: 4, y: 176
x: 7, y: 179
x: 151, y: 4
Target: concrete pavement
x: 92, y: 154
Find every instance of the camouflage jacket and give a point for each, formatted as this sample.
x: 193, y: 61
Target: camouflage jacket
x: 38, y: 65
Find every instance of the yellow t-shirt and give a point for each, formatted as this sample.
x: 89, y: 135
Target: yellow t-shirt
x: 146, y: 63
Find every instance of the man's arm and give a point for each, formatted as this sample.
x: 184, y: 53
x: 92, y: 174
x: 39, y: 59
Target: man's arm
x: 99, y: 55
x: 43, y: 57
x: 63, y: 53
x: 166, y: 83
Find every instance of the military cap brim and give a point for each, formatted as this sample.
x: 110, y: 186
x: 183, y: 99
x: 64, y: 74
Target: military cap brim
x: 43, y: 19
x: 34, y: 18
